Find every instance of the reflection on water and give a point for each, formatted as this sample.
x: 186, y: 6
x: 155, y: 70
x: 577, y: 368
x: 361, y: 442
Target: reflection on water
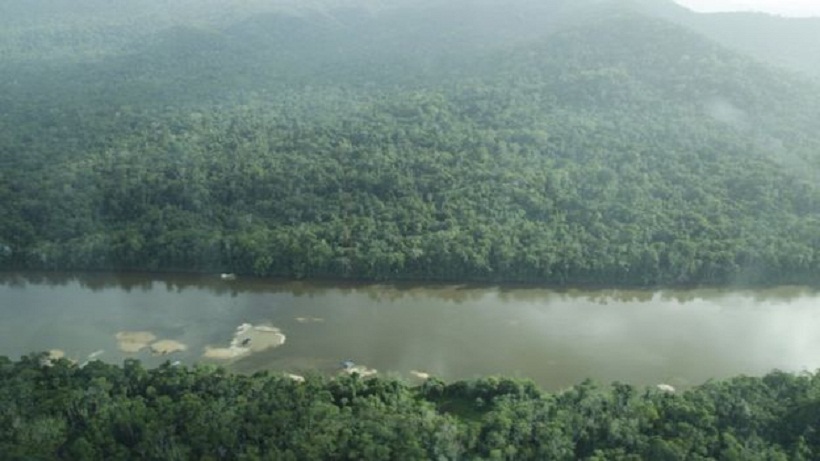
x: 554, y: 337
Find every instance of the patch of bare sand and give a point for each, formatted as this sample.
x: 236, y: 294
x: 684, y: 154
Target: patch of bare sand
x: 52, y: 355
x: 55, y: 354
x: 132, y: 342
x: 246, y: 340
x: 360, y: 370
x: 420, y: 374
x: 167, y: 346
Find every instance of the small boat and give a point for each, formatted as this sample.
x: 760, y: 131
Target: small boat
x: 227, y: 276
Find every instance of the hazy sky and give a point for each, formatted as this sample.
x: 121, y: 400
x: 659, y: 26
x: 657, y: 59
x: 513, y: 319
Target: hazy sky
x: 780, y: 7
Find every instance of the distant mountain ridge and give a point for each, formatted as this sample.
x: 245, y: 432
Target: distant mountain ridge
x: 791, y: 43
x: 109, y: 28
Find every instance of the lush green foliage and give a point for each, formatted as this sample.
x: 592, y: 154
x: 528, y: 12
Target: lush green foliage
x: 617, y: 150
x: 172, y: 412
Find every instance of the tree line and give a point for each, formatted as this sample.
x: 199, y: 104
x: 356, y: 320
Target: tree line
x: 54, y: 409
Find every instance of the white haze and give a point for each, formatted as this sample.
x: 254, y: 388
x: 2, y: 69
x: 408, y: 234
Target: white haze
x: 791, y: 8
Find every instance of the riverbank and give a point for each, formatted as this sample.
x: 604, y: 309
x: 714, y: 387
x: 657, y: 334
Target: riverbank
x: 195, y: 279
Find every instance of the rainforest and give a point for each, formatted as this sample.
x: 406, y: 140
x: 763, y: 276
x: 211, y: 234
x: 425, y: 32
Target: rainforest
x: 563, y: 144
x: 611, y: 148
x: 58, y: 411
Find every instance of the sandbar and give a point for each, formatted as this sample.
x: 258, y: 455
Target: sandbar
x: 53, y: 354
x: 360, y: 370
x: 134, y: 341
x: 167, y: 346
x: 420, y: 374
x: 246, y: 340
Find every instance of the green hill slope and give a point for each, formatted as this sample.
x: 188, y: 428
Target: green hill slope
x: 614, y: 149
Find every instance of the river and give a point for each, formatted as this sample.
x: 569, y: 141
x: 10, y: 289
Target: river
x: 556, y: 338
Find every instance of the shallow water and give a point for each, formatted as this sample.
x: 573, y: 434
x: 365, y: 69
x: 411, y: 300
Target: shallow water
x: 555, y: 338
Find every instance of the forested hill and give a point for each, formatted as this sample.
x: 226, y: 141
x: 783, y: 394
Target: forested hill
x: 576, y: 144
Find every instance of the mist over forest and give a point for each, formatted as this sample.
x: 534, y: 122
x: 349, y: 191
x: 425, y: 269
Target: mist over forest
x: 557, y: 142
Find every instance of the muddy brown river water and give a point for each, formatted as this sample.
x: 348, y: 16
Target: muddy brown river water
x: 556, y: 338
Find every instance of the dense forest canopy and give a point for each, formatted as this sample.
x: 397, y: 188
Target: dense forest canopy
x: 57, y: 410
x: 553, y: 142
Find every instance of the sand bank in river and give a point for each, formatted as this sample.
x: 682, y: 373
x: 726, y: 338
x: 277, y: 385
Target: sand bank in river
x: 56, y: 354
x: 420, y: 374
x: 53, y: 355
x: 134, y: 341
x: 246, y: 340
x: 360, y: 370
x: 167, y: 346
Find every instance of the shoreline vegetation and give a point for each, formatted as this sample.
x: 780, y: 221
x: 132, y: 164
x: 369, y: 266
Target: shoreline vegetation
x: 127, y: 280
x: 54, y: 408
